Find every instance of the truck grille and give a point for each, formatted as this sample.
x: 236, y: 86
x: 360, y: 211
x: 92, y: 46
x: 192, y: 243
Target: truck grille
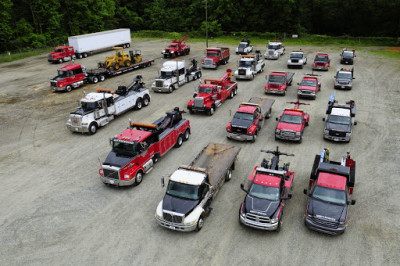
x: 295, y: 60
x: 271, y: 52
x: 327, y: 223
x: 337, y: 133
x: 50, y: 57
x: 320, y: 63
x: 172, y: 218
x: 288, y: 133
x: 110, y: 173
x: 208, y: 61
x: 198, y: 102
x: 53, y: 83
x: 257, y: 218
x: 240, y: 130
x: 76, y: 121
x: 306, y: 91
x: 159, y: 83
x: 242, y: 71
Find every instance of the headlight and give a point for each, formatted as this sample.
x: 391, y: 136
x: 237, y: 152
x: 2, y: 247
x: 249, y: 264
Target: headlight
x: 127, y: 176
x: 326, y: 131
x: 298, y: 134
x: 274, y: 221
x: 277, y: 131
x: 163, y: 51
x: 309, y: 216
x: 348, y: 134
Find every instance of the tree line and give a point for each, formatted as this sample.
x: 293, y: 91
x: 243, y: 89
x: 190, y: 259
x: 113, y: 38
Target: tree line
x: 39, y: 23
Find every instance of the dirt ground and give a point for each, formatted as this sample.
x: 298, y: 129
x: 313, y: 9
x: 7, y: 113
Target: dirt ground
x: 55, y: 210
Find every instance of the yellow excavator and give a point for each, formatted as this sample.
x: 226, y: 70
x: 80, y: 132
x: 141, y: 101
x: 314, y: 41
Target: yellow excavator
x: 120, y: 59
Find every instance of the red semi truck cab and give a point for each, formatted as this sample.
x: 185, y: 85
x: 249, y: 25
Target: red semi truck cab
x: 62, y: 54
x: 138, y: 148
x: 215, y: 57
x: 176, y: 48
x: 68, y: 77
x: 321, y: 62
x: 292, y: 123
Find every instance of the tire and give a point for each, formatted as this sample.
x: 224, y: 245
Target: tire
x: 127, y: 63
x: 68, y: 88
x: 138, y: 178
x: 171, y: 89
x: 84, y: 55
x: 254, y: 137
x: 92, y: 128
x: 95, y: 79
x: 232, y: 94
x: 79, y: 56
x: 139, y: 104
x: 284, y: 93
x: 199, y: 75
x: 60, y: 61
x: 252, y: 76
x: 235, y: 91
x: 179, y: 141
x: 307, y: 123
x: 155, y: 158
x: 186, y: 135
x: 146, y: 101
x: 127, y: 45
x: 191, y: 111
x: 116, y: 66
x: 211, y: 111
x: 102, y: 78
x: 200, y: 223
x: 268, y: 114
x: 228, y: 175
x: 301, y: 138
x: 278, y: 229
x: 187, y: 79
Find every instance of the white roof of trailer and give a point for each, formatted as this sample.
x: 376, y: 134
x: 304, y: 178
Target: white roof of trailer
x: 187, y: 177
x: 340, y: 112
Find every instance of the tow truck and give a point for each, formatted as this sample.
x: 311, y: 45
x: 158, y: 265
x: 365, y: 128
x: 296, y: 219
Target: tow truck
x: 309, y: 86
x: 212, y: 93
x: 274, y: 50
x: 244, y: 47
x: 344, y: 78
x: 292, y: 123
x: 193, y: 187
x: 138, y: 148
x: 249, y: 66
x: 329, y: 193
x: 347, y: 56
x: 215, y: 57
x: 177, y: 48
x: 99, y: 108
x: 339, y: 120
x: 249, y: 119
x: 278, y: 81
x: 297, y: 59
x: 270, y: 187
x: 321, y: 62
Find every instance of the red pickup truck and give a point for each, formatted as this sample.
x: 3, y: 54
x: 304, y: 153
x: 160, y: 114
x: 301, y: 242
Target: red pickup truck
x: 278, y: 82
x: 62, y: 54
x: 215, y: 57
x: 321, y: 62
x: 309, y: 86
x: 138, y: 148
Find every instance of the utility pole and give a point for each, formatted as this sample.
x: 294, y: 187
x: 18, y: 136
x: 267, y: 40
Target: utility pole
x: 206, y: 26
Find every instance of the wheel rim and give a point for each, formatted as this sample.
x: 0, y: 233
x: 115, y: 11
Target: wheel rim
x: 68, y: 88
x: 180, y: 140
x: 139, y: 105
x: 200, y: 223
x: 170, y: 89
x: 139, y: 177
x: 211, y: 110
x: 186, y: 134
x: 95, y: 80
x: 102, y: 78
x: 146, y: 101
x: 93, y: 129
x: 229, y: 175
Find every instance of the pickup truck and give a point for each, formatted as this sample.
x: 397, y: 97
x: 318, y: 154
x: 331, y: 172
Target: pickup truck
x: 270, y: 187
x: 329, y: 193
x: 274, y: 50
x: 278, y: 82
x: 309, y: 86
x: 321, y: 62
x: 244, y: 47
x: 344, y: 78
x: 347, y: 56
x: 249, y: 66
x: 136, y: 149
x: 297, y: 59
x: 249, y: 119
x: 339, y: 120
x: 215, y: 57
x: 192, y: 188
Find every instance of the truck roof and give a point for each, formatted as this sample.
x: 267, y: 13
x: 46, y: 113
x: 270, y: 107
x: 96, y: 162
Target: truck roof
x: 331, y: 181
x: 63, y: 47
x: 292, y: 111
x: 187, y: 177
x: 245, y: 108
x: 274, y: 43
x: 133, y: 135
x: 70, y: 67
x: 93, y: 96
x: 278, y: 73
x: 340, y: 111
x: 310, y: 78
x: 173, y: 65
x: 267, y: 180
x: 321, y: 54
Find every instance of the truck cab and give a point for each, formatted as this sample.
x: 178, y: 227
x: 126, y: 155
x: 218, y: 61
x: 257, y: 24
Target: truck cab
x: 278, y: 82
x: 249, y: 66
x: 321, y: 62
x: 274, y: 50
x: 68, y: 77
x: 344, y: 78
x: 292, y: 123
x: 329, y: 194
x: 309, y: 86
x: 297, y: 59
x: 347, y: 56
x: 176, y: 48
x: 244, y: 47
x: 215, y: 57
x: 62, y: 54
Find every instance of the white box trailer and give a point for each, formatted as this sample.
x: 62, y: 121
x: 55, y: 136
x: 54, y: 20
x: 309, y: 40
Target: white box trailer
x: 88, y: 43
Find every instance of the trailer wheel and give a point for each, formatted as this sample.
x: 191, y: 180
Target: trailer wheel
x: 186, y: 135
x: 116, y: 66
x: 127, y: 63
x: 138, y: 104
x: 79, y: 56
x: 179, y: 141
x: 68, y: 88
x: 187, y: 79
x: 146, y: 101
x: 60, y: 60
x: 138, y: 178
x: 228, y: 175
x: 102, y: 78
x: 84, y: 55
x: 92, y: 128
x: 95, y: 79
x: 127, y: 45
x: 200, y: 223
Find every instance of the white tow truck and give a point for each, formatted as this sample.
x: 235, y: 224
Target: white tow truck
x: 244, y: 47
x: 98, y: 108
x: 249, y: 66
x: 174, y: 74
x: 274, y: 50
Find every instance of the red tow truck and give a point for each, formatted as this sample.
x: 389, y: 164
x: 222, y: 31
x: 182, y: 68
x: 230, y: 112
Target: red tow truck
x: 215, y: 57
x: 321, y: 62
x: 292, y: 123
x: 278, y: 81
x: 212, y: 93
x: 329, y: 191
x: 177, y: 48
x: 138, y: 148
x: 249, y: 119
x: 309, y: 86
x: 62, y: 54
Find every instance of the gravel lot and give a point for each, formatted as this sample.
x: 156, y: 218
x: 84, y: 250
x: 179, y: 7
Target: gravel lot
x: 54, y: 209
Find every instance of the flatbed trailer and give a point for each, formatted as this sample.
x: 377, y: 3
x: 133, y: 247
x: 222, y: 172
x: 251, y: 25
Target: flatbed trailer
x: 265, y: 105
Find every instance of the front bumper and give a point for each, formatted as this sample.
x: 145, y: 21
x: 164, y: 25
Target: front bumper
x: 54, y: 88
x: 343, y: 86
x: 275, y: 91
x: 295, y: 64
x: 346, y: 62
x: 337, y: 138
x: 323, y: 229
x: 175, y: 226
x: 209, y: 66
x: 320, y: 68
x: 117, y: 182
x: 273, y: 57
x: 295, y: 138
x: 244, y: 76
x: 258, y: 225
x: 241, y: 137
x: 307, y: 94
x: 160, y: 89
x: 198, y: 109
x: 80, y: 129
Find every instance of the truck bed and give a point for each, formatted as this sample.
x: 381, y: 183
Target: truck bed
x: 289, y: 77
x: 216, y: 159
x: 264, y: 103
x: 108, y: 72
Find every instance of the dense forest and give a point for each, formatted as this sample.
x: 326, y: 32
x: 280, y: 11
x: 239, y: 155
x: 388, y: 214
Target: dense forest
x: 39, y: 23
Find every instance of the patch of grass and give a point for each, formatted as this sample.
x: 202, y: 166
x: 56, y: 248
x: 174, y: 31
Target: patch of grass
x: 391, y: 54
x: 13, y: 56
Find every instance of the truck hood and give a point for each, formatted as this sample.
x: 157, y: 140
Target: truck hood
x: 344, y: 81
x: 205, y: 96
x: 81, y: 112
x: 57, y: 78
x: 274, y: 85
x: 241, y: 123
x: 327, y: 211
x: 338, y: 127
x: 55, y: 54
x: 179, y: 205
x: 261, y: 207
x: 308, y: 88
x: 288, y: 126
x: 114, y: 160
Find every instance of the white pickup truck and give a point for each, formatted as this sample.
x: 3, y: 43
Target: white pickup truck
x: 98, y: 108
x: 249, y: 66
x: 297, y: 59
x: 274, y: 50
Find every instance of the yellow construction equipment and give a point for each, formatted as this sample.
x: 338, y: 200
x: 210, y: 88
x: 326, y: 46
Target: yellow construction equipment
x: 121, y: 59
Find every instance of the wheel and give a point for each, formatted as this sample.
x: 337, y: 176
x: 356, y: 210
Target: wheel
x: 127, y: 45
x: 95, y: 79
x: 186, y: 135
x: 102, y: 78
x: 155, y: 159
x: 187, y: 79
x: 278, y: 229
x: 254, y: 137
x: 138, y: 104
x: 199, y: 75
x: 301, y: 138
x: 191, y: 111
x: 127, y: 63
x: 79, y: 56
x: 228, y: 175
x: 138, y: 178
x: 306, y: 123
x: 284, y: 92
x: 84, y: 55
x: 60, y: 60
x: 268, y: 115
x: 92, y: 128
x: 116, y: 66
x: 179, y: 141
x: 235, y: 91
x: 252, y: 76
x: 211, y: 111
x: 232, y: 94
x: 68, y: 88
x: 200, y: 223
x: 146, y: 101
x: 171, y: 89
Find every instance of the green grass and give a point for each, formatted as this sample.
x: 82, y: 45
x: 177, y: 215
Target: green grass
x: 391, y: 54
x: 13, y: 56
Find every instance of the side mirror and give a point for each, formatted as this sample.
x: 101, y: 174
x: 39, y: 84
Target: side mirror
x: 298, y: 83
x: 354, y: 78
x: 334, y: 76
x: 276, y: 118
x: 323, y: 119
x: 242, y: 187
x: 355, y: 123
x: 194, y: 95
x: 353, y: 202
x: 162, y: 182
x: 305, y: 191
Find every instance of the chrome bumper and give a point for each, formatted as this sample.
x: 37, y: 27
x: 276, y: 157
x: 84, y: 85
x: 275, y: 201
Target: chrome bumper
x: 336, y: 138
x: 258, y: 225
x: 175, y: 226
x: 241, y: 137
x: 275, y: 91
x: 279, y: 136
x: 80, y: 129
x: 323, y: 229
x: 209, y: 66
x: 117, y: 182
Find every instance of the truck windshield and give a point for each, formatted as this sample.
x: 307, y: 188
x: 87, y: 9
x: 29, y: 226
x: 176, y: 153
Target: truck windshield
x: 173, y: 45
x: 63, y: 73
x: 276, y: 79
x: 291, y: 119
x: 126, y: 149
x: 166, y: 74
x: 273, y: 47
x: 89, y: 106
x: 329, y: 195
x: 348, y: 54
x: 182, y: 190
x: 243, y: 116
x: 264, y: 192
x: 242, y: 45
x: 344, y: 75
x: 296, y: 56
x: 245, y: 63
x: 337, y: 119
x: 212, y: 54
x: 58, y: 50
x: 321, y: 58
x: 205, y: 90
x: 311, y: 83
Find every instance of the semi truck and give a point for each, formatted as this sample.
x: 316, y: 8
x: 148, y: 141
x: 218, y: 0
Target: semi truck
x: 249, y: 66
x: 192, y: 188
x: 274, y: 50
x: 244, y: 47
x: 136, y: 149
x: 99, y: 108
x: 215, y: 57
